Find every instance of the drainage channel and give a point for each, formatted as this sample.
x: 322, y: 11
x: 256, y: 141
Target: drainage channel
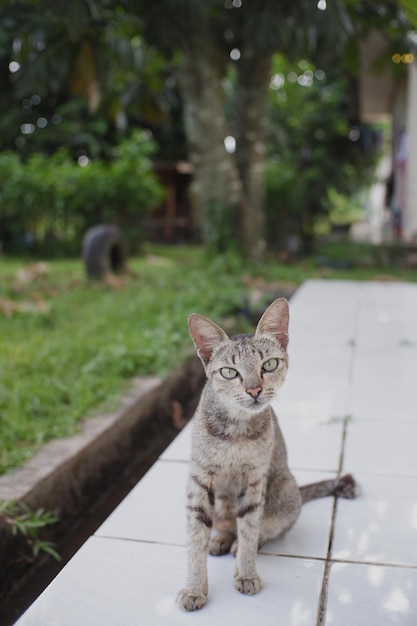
x: 17, y: 603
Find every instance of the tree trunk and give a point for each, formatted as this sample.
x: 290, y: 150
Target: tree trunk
x: 252, y: 104
x: 216, y: 187
x: 229, y: 188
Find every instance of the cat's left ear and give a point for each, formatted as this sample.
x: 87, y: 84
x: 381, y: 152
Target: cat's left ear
x: 206, y: 335
x: 275, y: 321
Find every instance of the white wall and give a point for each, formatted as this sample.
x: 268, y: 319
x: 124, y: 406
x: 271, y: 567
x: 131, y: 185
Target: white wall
x: 410, y: 214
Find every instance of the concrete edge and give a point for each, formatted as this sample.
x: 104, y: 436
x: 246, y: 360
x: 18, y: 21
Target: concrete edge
x: 23, y: 481
x: 67, y: 474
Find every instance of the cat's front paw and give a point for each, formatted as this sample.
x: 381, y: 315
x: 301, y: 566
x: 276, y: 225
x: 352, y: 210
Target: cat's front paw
x: 248, y: 585
x: 234, y: 547
x: 189, y: 601
x: 220, y: 544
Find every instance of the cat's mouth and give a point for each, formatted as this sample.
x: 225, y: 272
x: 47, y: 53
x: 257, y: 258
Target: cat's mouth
x: 256, y: 404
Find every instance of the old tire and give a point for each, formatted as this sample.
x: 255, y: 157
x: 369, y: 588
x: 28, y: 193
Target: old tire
x: 103, y: 250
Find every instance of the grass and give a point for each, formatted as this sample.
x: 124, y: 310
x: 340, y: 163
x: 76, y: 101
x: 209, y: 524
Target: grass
x: 71, y: 344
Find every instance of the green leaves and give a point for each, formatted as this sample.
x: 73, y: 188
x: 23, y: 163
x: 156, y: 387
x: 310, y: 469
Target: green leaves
x: 410, y: 10
x: 315, y: 148
x: 29, y: 524
x: 58, y: 196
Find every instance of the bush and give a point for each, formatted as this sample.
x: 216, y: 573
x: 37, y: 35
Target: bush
x: 317, y: 154
x: 47, y: 203
x: 284, y: 203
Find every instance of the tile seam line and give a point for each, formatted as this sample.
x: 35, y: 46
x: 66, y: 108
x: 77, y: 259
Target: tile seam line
x: 322, y: 605
x: 132, y: 540
x: 339, y: 561
x: 373, y: 563
x: 302, y: 557
x: 322, y: 608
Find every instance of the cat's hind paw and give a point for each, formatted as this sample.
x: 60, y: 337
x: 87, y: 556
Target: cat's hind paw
x: 247, y: 585
x: 189, y: 601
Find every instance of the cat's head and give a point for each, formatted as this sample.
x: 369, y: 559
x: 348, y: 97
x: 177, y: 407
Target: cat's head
x: 246, y: 371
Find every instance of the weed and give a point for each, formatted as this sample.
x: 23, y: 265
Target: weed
x: 29, y: 524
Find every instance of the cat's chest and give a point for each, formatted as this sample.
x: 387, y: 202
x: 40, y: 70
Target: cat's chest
x: 232, y: 465
x: 238, y: 468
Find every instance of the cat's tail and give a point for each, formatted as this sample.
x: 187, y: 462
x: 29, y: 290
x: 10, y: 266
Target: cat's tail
x: 343, y: 487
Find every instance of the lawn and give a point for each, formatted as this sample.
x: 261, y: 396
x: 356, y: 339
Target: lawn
x: 69, y: 345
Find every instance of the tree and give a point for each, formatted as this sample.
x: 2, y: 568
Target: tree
x: 229, y: 186
x: 225, y: 49
x: 214, y: 35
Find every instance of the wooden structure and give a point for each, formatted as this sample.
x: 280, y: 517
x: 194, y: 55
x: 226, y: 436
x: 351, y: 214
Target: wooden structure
x: 172, y: 221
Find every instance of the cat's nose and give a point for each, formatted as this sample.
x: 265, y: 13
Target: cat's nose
x: 254, y: 392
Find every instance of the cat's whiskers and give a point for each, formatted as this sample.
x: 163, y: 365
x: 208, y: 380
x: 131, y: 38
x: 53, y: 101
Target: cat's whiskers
x: 282, y: 403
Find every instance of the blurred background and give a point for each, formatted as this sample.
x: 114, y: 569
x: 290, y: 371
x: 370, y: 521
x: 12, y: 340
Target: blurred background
x: 254, y: 126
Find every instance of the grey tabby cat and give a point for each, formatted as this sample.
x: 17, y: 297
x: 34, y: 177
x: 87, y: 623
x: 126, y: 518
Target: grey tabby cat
x: 241, y: 492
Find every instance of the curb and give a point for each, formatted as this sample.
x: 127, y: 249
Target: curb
x: 68, y: 475
x: 32, y: 482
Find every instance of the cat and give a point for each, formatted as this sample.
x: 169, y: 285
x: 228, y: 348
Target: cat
x: 241, y: 492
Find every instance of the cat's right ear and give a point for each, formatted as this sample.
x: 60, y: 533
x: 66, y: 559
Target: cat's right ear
x: 275, y: 321
x: 206, y: 335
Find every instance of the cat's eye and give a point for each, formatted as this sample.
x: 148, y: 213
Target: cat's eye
x: 228, y: 372
x: 270, y: 365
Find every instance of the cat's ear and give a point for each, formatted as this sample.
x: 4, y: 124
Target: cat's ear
x: 206, y: 335
x: 275, y: 321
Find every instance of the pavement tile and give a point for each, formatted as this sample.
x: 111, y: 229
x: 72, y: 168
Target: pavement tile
x: 371, y: 594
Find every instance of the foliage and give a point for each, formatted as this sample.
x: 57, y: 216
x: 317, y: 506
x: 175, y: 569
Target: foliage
x: 410, y: 10
x: 312, y: 128
x: 314, y: 149
x: 79, y: 74
x: 344, y: 209
x: 258, y: 25
x: 47, y: 203
x: 29, y: 525
x: 83, y: 74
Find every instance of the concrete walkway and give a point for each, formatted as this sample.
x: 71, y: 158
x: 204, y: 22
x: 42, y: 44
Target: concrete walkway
x: 350, y: 403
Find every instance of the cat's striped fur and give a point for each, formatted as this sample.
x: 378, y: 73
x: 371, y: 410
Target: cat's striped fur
x: 241, y: 492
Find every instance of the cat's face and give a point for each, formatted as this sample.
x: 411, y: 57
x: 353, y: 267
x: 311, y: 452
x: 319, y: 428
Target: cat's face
x: 246, y: 371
